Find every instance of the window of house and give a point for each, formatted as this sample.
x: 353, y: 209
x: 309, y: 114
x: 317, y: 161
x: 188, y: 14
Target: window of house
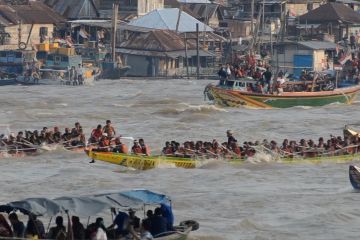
x: 43, y: 31
x: 57, y: 59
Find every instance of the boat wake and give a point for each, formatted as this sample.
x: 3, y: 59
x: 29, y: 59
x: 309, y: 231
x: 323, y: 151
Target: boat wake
x: 184, y: 108
x: 261, y: 157
x: 212, y: 163
x: 301, y: 107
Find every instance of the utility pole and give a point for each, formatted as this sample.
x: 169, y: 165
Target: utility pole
x: 114, y: 26
x: 178, y: 19
x: 252, y: 23
x: 197, y: 52
x: 186, y: 57
x: 252, y: 17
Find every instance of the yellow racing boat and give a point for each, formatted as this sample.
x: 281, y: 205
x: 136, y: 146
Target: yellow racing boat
x: 141, y: 162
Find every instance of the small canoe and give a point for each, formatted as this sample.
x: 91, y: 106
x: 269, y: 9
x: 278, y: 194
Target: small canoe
x: 354, y: 176
x: 140, y: 162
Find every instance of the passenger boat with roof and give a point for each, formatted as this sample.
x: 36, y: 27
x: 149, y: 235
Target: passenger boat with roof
x: 56, y: 69
x: 247, y: 92
x: 98, y: 204
x: 13, y: 63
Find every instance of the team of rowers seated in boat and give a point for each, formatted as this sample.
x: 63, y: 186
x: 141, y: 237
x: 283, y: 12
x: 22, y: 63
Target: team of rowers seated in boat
x: 125, y: 226
x: 104, y: 138
x: 28, y: 141
x: 231, y: 149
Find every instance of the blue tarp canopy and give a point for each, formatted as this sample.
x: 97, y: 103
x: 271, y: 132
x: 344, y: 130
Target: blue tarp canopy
x: 87, y: 205
x: 83, y: 206
x: 148, y: 197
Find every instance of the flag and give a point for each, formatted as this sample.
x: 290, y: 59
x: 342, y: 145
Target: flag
x: 83, y: 33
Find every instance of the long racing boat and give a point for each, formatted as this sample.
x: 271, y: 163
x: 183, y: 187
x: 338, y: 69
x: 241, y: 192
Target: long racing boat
x: 141, y: 162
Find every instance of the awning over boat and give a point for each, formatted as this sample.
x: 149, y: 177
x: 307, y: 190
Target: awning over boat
x: 37, y: 206
x: 148, y: 197
x: 85, y: 206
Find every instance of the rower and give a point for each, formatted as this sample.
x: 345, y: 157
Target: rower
x: 145, y: 148
x: 20, y: 137
x: 75, y: 132
x: 119, y: 146
x: 136, y: 148
x: 109, y: 129
x: 96, y: 134
x: 57, y: 135
x: 67, y: 135
x: 104, y: 143
x: 167, y: 150
x: 11, y: 139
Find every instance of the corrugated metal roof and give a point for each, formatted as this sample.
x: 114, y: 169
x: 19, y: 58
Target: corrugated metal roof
x: 331, y: 12
x: 160, y: 43
x: 157, y: 40
x: 201, y: 10
x: 318, y: 45
x: 74, y: 9
x: 173, y: 54
x: 166, y: 19
x: 34, y: 12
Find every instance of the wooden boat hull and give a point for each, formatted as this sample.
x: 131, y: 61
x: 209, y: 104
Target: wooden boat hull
x: 140, y: 162
x: 177, y: 235
x: 47, y: 81
x: 354, y: 176
x: 237, y: 98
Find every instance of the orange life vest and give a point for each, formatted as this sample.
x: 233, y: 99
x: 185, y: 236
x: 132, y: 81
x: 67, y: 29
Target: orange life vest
x: 168, y: 151
x: 96, y: 133
x: 104, y: 143
x: 137, y: 150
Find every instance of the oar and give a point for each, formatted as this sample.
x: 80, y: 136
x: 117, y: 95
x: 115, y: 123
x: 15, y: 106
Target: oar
x: 230, y: 151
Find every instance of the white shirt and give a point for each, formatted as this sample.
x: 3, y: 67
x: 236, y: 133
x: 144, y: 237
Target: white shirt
x: 281, y: 80
x: 100, y: 235
x: 146, y: 236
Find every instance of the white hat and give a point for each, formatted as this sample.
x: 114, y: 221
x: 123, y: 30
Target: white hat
x: 105, y: 134
x: 12, y: 135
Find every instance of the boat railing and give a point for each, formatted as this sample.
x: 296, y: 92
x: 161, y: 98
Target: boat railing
x: 168, y: 233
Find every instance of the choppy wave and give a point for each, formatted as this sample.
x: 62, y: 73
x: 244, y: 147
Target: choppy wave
x: 184, y: 108
x: 261, y: 157
x: 245, y: 201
